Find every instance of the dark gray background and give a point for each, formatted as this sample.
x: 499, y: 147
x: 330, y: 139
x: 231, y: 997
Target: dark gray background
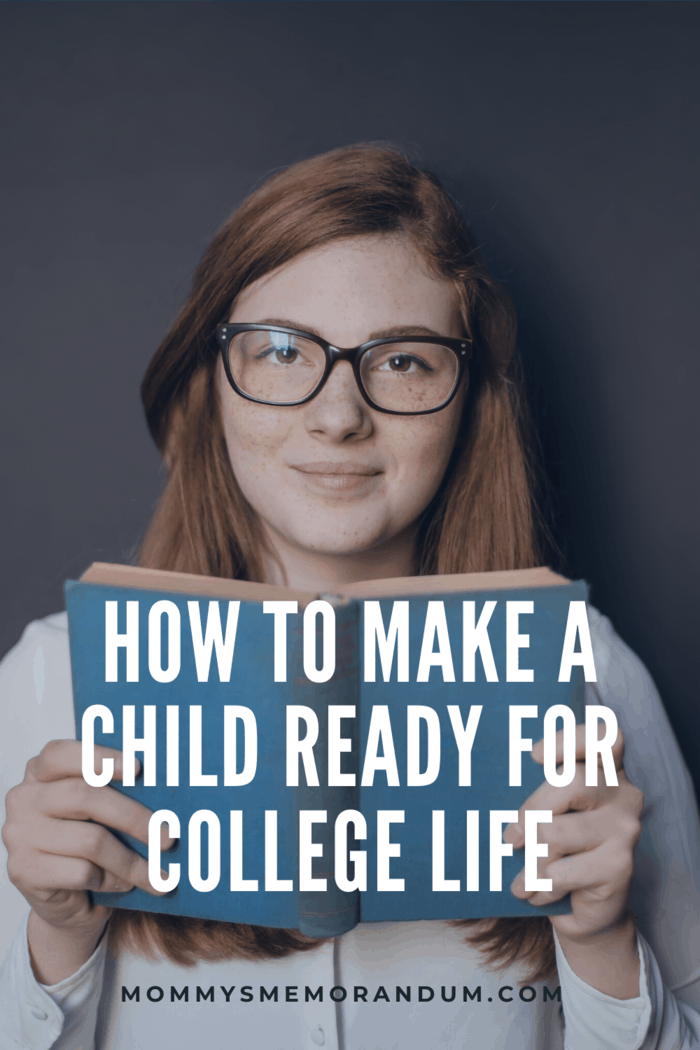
x: 567, y: 131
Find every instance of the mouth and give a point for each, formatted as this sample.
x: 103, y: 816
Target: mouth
x: 338, y: 476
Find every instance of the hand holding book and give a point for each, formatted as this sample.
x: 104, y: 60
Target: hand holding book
x: 590, y: 843
x: 61, y: 851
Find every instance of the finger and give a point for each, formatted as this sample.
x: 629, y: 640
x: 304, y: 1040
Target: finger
x: 566, y: 834
x: 92, y: 842
x: 602, y: 873
x: 49, y: 876
x: 73, y: 799
x: 64, y: 758
x: 617, y: 749
x: 615, y: 813
x: 575, y: 796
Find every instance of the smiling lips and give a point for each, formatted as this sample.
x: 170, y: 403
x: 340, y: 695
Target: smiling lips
x: 338, y: 476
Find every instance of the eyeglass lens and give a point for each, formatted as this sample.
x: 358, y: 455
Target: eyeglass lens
x: 401, y: 377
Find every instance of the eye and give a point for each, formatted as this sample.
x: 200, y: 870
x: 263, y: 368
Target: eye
x: 404, y: 363
x: 281, y: 352
x: 285, y: 355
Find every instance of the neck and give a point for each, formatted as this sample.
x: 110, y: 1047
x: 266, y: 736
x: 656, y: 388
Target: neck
x: 319, y: 572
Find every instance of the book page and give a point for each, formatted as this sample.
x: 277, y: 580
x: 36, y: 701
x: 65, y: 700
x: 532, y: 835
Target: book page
x: 244, y: 590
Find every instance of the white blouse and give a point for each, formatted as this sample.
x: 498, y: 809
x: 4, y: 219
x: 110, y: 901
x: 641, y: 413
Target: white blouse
x: 383, y: 985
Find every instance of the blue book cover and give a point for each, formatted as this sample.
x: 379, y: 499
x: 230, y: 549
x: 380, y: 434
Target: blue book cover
x: 379, y: 757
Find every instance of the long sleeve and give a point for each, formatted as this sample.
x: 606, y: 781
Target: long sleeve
x: 35, y: 707
x: 665, y: 895
x: 673, y: 1024
x: 38, y: 1017
x: 653, y: 1020
x: 593, y: 1018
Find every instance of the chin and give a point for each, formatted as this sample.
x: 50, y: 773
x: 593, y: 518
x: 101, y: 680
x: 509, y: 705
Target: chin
x: 339, y: 547
x: 335, y: 532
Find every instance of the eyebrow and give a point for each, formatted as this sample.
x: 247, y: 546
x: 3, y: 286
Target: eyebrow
x: 383, y: 333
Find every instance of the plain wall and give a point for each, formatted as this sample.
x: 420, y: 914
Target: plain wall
x: 567, y: 131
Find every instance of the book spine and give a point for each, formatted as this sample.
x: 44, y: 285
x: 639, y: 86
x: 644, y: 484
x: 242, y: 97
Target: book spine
x: 329, y: 912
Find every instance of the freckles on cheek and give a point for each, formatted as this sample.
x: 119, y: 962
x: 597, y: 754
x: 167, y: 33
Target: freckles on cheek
x: 424, y: 456
x: 253, y: 438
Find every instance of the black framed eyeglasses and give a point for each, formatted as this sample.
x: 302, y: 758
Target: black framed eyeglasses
x: 406, y: 375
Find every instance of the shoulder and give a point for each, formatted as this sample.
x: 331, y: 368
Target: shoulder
x: 50, y: 633
x: 609, y: 649
x: 40, y: 660
x: 653, y: 759
x: 36, y: 696
x: 623, y: 682
x: 625, y: 685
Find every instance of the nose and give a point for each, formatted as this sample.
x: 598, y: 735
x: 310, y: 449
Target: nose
x: 339, y: 412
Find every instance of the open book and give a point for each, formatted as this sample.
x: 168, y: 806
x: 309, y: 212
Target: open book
x: 328, y: 759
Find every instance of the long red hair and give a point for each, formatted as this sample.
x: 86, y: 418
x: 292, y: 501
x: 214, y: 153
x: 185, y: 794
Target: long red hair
x: 483, y: 518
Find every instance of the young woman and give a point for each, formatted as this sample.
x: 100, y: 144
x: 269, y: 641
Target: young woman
x: 291, y: 463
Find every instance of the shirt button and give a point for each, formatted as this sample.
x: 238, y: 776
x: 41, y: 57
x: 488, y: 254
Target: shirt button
x: 318, y: 1036
x: 40, y: 1014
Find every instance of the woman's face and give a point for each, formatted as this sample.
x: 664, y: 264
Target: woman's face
x: 334, y: 476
